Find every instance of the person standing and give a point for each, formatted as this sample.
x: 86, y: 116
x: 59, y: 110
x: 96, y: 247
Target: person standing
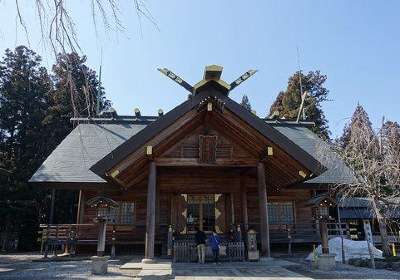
x: 215, y: 240
x: 201, y: 238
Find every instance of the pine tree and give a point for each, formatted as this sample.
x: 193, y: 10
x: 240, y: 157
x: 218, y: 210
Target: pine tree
x: 246, y: 103
x: 289, y: 101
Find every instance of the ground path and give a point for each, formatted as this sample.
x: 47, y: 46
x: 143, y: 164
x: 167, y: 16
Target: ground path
x: 29, y: 267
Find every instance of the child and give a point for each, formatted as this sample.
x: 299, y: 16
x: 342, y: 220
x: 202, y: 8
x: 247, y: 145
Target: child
x: 214, y: 241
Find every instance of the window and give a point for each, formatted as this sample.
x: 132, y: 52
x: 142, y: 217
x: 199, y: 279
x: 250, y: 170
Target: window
x: 127, y: 213
x: 123, y: 215
x: 280, y: 213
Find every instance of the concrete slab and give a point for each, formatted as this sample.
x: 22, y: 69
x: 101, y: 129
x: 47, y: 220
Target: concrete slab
x: 165, y: 269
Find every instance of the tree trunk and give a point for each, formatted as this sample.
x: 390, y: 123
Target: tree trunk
x: 384, y: 236
x: 382, y: 229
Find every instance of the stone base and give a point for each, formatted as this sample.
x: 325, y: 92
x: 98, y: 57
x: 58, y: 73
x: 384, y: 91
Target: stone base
x: 326, y: 262
x: 148, y: 261
x: 253, y: 255
x: 99, y: 265
x: 266, y: 259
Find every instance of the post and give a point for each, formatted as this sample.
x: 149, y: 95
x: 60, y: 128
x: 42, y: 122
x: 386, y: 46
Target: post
x: 53, y: 198
x: 245, y: 217
x: 262, y: 194
x: 113, y: 238
x: 238, y: 234
x: 81, y: 208
x: 151, y: 215
x: 170, y: 240
x: 101, y: 241
x: 324, y: 236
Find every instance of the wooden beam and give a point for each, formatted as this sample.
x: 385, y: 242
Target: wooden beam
x: 151, y: 215
x: 223, y: 162
x: 207, y: 123
x: 245, y: 217
x: 262, y: 197
x: 149, y: 152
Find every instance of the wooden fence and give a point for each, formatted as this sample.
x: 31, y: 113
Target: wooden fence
x: 187, y: 251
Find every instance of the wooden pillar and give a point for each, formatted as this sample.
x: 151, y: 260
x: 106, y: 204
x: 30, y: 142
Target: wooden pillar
x: 324, y: 236
x: 262, y: 194
x: 245, y: 217
x: 101, y: 241
x: 151, y: 214
x: 81, y: 207
x: 53, y: 198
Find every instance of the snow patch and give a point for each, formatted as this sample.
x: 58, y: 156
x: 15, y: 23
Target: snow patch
x: 352, y: 250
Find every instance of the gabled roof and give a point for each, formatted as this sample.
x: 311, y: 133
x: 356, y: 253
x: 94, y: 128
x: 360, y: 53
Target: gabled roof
x: 319, y: 199
x: 139, y: 139
x: 338, y: 172
x: 69, y: 163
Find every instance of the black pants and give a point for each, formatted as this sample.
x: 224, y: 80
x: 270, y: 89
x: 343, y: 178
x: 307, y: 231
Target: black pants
x: 216, y: 257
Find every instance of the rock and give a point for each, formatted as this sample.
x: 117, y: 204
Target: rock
x: 352, y: 250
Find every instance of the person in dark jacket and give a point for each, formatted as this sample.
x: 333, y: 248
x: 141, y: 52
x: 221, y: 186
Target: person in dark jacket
x: 201, y: 238
x: 214, y: 241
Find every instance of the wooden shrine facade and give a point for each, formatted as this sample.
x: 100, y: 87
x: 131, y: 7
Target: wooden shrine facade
x: 208, y: 163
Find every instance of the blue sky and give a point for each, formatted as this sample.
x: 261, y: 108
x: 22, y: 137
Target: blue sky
x: 355, y: 43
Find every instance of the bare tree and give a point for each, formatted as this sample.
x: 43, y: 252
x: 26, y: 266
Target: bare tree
x: 58, y: 29
x: 374, y: 156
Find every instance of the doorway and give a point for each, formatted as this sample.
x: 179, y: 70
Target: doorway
x: 200, y: 212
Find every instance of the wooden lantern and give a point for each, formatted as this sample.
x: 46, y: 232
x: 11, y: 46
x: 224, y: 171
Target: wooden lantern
x: 320, y: 205
x: 103, y: 204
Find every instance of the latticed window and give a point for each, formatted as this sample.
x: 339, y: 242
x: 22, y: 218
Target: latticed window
x: 127, y: 213
x: 280, y: 213
x: 123, y: 215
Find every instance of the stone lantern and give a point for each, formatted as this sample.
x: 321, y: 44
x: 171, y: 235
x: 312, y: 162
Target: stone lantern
x: 103, y: 204
x: 252, y: 253
x: 320, y: 205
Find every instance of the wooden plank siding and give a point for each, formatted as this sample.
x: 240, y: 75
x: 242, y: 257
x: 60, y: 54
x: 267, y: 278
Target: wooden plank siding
x: 172, y: 182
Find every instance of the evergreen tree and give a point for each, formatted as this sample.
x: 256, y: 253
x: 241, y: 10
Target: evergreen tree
x: 359, y: 119
x: 34, y: 110
x: 277, y: 107
x: 289, y: 101
x: 246, y: 103
x: 24, y: 84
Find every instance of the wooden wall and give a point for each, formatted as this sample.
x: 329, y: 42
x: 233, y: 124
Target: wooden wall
x: 175, y: 181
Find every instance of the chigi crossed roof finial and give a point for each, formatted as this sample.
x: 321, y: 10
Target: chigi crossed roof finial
x: 212, y: 78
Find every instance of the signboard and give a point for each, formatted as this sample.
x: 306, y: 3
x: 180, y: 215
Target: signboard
x: 369, y: 239
x: 368, y: 231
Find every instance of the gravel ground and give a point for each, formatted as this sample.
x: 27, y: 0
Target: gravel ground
x: 343, y: 271
x: 27, y: 267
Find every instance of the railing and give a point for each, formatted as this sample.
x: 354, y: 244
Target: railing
x: 71, y: 235
x: 301, y: 231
